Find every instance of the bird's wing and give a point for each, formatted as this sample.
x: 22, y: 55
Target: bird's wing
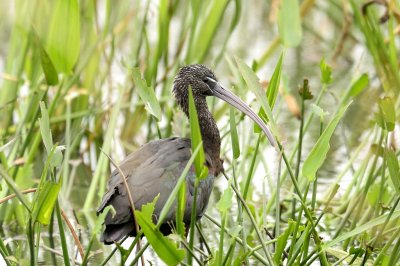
x: 152, y: 170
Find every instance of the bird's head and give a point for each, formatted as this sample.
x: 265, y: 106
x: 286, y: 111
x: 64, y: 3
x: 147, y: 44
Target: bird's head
x: 204, y: 83
x: 198, y: 77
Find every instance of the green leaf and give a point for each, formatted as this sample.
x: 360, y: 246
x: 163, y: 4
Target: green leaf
x: 282, y: 241
x: 356, y: 87
x: 180, y: 210
x: 195, y: 134
x: 164, y: 247
x: 273, y: 86
x: 63, y: 42
x: 50, y: 73
x: 234, y: 134
x: 356, y: 250
x: 148, y: 209
x: 387, y: 115
x: 326, y: 72
x: 225, y: 202
x: 394, y: 169
x: 147, y: 94
x: 100, y: 220
x: 46, y: 199
x: 43, y: 201
x: 318, y: 153
x: 289, y: 23
x: 359, y: 85
x: 44, y: 123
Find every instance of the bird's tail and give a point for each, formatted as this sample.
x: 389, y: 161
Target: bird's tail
x: 115, y: 232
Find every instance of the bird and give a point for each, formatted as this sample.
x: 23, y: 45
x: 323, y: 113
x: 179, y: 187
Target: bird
x: 155, y: 167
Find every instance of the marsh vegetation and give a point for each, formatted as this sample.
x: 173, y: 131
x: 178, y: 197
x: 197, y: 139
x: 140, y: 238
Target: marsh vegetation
x: 85, y: 81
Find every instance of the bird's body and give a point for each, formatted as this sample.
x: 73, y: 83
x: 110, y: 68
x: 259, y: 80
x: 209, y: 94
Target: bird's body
x: 152, y: 170
x: 155, y: 168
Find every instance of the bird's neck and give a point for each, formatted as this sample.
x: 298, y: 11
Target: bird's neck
x: 209, y: 133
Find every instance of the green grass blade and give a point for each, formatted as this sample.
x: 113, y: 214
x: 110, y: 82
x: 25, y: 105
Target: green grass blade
x: 44, y: 123
x: 45, y: 131
x: 282, y: 241
x: 13, y: 187
x: 195, y: 134
x: 49, y: 70
x: 63, y: 239
x: 63, y: 42
x: 234, y: 134
x: 180, y: 210
x: 273, y: 86
x: 289, y: 23
x: 394, y: 168
x: 272, y: 90
x: 362, y: 228
x: 317, y: 155
x: 162, y: 42
x: 357, y: 87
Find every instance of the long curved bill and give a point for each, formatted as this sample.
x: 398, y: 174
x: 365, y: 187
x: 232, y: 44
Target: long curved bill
x: 232, y: 99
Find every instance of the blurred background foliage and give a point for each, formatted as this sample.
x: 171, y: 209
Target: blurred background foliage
x: 69, y: 96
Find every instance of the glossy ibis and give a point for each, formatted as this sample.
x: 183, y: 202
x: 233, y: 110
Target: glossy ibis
x: 156, y: 166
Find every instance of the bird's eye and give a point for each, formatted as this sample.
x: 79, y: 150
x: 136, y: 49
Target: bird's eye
x: 206, y: 80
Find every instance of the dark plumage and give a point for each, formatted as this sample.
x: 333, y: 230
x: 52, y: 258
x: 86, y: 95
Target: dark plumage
x: 156, y: 166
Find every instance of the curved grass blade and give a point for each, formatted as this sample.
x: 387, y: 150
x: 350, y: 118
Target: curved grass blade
x: 362, y: 228
x: 317, y: 155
